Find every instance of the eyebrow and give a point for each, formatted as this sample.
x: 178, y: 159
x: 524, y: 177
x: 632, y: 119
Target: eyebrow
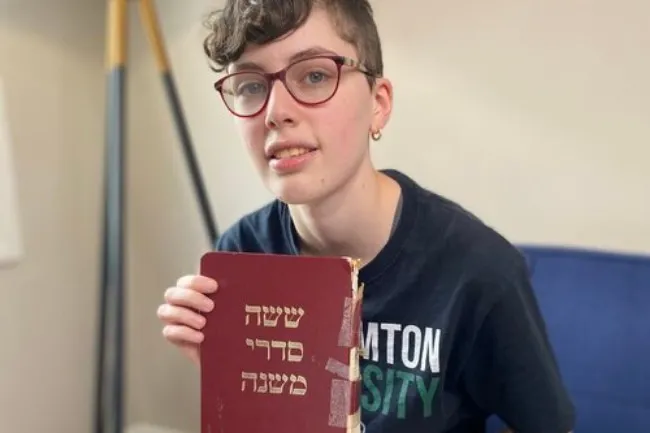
x: 300, y: 55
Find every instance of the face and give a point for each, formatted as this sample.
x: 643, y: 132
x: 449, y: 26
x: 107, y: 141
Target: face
x: 305, y: 153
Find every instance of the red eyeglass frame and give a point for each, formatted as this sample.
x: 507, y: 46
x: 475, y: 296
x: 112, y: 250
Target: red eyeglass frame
x: 281, y: 76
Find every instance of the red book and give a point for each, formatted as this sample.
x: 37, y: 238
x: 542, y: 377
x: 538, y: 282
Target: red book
x: 281, y: 349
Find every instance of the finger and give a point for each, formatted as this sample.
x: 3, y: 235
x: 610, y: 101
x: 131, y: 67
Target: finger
x: 192, y: 352
x: 172, y: 314
x: 198, y: 283
x: 188, y: 298
x: 182, y: 335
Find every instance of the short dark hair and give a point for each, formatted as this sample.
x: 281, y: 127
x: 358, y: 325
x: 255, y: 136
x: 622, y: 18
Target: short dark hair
x: 243, y: 22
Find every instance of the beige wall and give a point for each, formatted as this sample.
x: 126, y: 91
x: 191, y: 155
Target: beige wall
x: 51, y: 71
x: 533, y: 114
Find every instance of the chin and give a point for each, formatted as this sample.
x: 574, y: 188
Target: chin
x: 295, y: 191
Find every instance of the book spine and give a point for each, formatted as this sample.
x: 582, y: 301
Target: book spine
x: 354, y: 417
x: 345, y: 410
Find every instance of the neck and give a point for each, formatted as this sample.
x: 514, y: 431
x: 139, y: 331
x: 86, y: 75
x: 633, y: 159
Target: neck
x: 355, y: 221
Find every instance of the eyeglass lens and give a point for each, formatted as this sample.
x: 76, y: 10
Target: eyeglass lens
x: 310, y: 81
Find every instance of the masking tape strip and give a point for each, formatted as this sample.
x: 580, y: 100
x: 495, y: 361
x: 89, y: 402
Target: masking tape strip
x: 341, y: 401
x: 346, y: 337
x: 339, y: 368
x: 344, y: 394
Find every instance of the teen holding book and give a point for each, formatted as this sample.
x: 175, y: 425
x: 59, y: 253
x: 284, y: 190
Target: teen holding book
x: 450, y: 323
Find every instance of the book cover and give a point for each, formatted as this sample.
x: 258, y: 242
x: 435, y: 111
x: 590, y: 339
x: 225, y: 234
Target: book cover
x: 281, y: 347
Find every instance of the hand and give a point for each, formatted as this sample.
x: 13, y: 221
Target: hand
x: 181, y: 313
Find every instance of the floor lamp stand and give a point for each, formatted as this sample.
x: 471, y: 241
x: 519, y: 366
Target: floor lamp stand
x: 109, y: 386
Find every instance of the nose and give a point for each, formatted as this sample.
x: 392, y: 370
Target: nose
x: 282, y: 108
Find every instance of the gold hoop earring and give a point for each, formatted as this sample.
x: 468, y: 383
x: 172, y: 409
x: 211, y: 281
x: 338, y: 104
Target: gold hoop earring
x: 376, y: 135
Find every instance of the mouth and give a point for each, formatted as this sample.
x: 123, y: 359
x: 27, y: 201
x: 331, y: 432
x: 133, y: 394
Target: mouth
x: 290, y: 157
x: 292, y: 152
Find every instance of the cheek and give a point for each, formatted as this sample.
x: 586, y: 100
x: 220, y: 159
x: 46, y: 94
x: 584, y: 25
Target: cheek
x: 252, y: 131
x: 344, y: 127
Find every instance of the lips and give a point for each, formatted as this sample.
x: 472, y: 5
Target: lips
x: 285, y: 158
x: 291, y: 152
x: 287, y: 150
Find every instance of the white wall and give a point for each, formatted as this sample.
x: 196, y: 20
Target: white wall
x: 52, y: 75
x: 532, y: 114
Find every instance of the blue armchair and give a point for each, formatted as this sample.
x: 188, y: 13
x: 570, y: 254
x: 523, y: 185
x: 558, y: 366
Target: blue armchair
x: 597, y: 309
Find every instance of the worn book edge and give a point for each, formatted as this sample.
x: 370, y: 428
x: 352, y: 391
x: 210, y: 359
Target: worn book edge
x: 345, y: 410
x: 354, y: 419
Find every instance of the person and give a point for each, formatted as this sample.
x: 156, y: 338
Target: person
x: 451, y: 328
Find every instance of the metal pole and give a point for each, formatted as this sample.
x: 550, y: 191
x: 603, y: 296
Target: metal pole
x: 109, y: 397
x: 152, y: 26
x: 110, y: 363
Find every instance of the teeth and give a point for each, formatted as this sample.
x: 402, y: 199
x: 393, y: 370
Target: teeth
x: 290, y: 153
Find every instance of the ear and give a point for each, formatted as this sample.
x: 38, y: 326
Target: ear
x: 383, y: 103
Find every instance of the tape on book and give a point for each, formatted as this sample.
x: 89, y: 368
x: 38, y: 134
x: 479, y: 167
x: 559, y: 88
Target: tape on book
x: 341, y: 402
x: 345, y: 334
x: 345, y: 389
x: 339, y: 368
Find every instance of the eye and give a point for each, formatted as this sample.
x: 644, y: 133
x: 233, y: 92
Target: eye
x: 316, y: 77
x: 250, y: 88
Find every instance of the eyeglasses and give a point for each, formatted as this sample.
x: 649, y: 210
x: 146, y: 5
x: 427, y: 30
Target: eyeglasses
x: 310, y: 82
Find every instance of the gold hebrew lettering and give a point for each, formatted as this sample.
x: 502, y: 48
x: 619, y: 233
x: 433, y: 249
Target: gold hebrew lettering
x: 264, y: 388
x: 295, y: 351
x: 271, y: 316
x: 264, y: 343
x: 277, y: 382
x: 292, y: 351
x: 292, y: 316
x: 248, y: 376
x: 301, y: 389
x: 273, y: 383
x: 253, y: 309
x: 280, y: 345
